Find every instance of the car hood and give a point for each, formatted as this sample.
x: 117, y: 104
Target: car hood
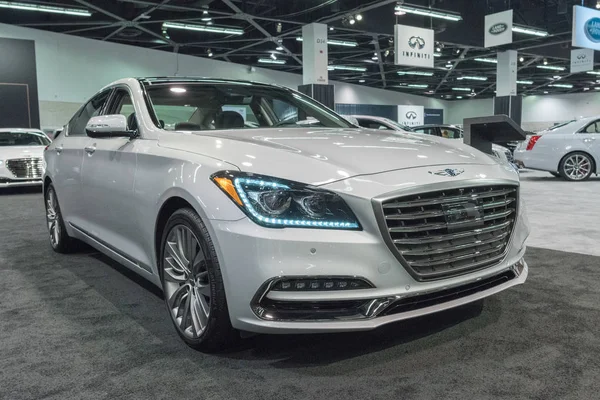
x: 322, y: 155
x: 8, y: 152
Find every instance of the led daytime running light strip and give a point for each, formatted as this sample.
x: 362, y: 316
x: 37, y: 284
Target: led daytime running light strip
x: 334, y: 42
x: 278, y: 221
x: 49, y: 9
x: 404, y: 9
x: 204, y: 28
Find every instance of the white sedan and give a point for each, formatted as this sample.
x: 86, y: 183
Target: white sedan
x: 21, y: 156
x: 255, y: 208
x: 570, y: 150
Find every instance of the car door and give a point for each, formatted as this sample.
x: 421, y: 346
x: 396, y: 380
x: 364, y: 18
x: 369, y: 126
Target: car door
x: 67, y: 160
x: 590, y: 137
x: 109, y: 167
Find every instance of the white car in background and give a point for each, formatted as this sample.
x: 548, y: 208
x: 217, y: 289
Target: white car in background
x: 570, y: 150
x: 22, y: 156
x: 300, y: 223
x: 379, y: 123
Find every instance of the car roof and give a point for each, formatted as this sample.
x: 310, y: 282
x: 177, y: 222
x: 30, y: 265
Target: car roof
x: 24, y: 130
x: 195, y: 79
x: 436, y: 126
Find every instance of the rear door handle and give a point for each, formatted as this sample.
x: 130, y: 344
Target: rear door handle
x: 90, y: 149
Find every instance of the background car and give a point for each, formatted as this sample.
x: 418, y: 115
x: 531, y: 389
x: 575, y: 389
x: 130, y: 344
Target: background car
x: 570, y: 150
x: 302, y: 224
x: 380, y: 123
x: 21, y: 156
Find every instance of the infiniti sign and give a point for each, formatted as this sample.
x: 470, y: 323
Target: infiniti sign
x: 411, y: 115
x: 416, y: 42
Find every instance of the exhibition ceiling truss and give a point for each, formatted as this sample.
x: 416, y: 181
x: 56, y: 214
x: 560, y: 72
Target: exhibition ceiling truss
x: 267, y: 33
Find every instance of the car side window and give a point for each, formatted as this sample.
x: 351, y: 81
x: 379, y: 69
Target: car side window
x: 372, y: 125
x: 427, y: 131
x: 594, y: 127
x: 91, y: 109
x: 121, y: 104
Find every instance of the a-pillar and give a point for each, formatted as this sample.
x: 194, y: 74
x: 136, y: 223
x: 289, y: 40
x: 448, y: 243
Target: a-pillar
x: 314, y: 65
x: 507, y: 102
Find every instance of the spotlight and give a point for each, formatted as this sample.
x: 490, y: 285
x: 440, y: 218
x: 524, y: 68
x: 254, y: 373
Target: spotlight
x: 545, y: 61
x: 361, y: 81
x: 273, y: 56
x: 205, y: 16
x: 331, y: 28
x: 386, y: 53
x: 359, y: 17
x: 279, y: 48
x: 279, y: 27
x: 438, y: 49
x: 521, y: 59
x: 209, y: 53
x: 598, y: 4
x: 351, y: 21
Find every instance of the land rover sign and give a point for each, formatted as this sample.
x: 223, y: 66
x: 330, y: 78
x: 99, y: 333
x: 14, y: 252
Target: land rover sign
x: 498, y: 28
x: 586, y: 28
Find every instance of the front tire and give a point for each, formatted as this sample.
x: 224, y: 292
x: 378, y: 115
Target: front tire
x: 193, y: 285
x: 60, y: 241
x: 576, y: 166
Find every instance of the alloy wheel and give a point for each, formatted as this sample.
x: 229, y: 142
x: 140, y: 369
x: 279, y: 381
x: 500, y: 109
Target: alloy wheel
x: 53, y: 217
x: 186, y: 281
x: 577, y: 167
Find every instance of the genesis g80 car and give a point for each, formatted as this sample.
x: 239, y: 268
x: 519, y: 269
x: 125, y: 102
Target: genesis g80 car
x: 257, y: 209
x: 22, y: 156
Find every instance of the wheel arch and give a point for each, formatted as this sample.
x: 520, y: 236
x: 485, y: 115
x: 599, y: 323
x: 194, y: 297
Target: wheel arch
x: 587, y: 153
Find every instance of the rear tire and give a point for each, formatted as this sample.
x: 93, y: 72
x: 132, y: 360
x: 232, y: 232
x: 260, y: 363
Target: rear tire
x: 193, y: 284
x: 60, y: 240
x: 576, y: 167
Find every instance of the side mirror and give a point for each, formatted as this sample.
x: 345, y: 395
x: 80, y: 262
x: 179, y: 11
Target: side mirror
x: 108, y: 126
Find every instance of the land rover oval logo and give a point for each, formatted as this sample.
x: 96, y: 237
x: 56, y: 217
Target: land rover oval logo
x: 498, y: 28
x: 592, y: 29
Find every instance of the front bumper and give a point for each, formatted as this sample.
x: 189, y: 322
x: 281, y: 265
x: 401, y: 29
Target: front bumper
x: 251, y: 255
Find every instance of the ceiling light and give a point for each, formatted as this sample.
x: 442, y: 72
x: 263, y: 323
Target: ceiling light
x: 401, y: 9
x: 419, y: 73
x: 457, y: 51
x: 593, y: 72
x: 334, y: 42
x: 556, y: 77
x: 386, y: 53
x: 438, y: 49
x: 205, y: 28
x: 598, y: 4
x: 459, y: 97
x: 437, y: 54
x: 473, y: 78
x: 178, y: 90
x: 271, y: 61
x: 359, y: 17
x: 585, y: 89
x: 361, y: 81
x: 487, y: 60
x: 417, y: 86
x: 331, y: 28
x: 352, y: 21
x: 562, y: 85
x: 545, y: 92
x: 346, y: 68
x: 521, y: 59
x: 529, y: 31
x: 273, y: 56
x: 461, y: 89
x: 279, y: 48
x: 205, y: 16
x: 525, y: 82
x: 49, y: 9
x: 552, y: 67
x: 597, y: 88
x: 209, y: 52
x: 545, y: 61
x: 278, y: 27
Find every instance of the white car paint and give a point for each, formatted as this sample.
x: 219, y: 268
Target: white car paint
x: 558, y: 142
x: 385, y: 123
x: 111, y: 198
x: 30, y: 154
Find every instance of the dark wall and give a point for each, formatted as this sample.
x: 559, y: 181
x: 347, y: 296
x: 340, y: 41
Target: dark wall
x: 434, y: 116
x: 19, y: 107
x: 390, y: 112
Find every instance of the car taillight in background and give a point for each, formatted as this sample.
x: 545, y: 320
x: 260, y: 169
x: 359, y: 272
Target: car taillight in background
x: 532, y: 141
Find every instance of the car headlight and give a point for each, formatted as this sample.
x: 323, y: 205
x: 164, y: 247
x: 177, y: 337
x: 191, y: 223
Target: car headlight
x: 278, y: 203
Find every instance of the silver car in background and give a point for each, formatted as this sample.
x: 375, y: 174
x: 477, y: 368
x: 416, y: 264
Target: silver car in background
x: 22, y: 156
x: 570, y: 150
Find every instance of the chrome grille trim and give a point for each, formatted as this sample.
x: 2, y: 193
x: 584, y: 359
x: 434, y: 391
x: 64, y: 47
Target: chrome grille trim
x: 421, y: 231
x: 26, y: 168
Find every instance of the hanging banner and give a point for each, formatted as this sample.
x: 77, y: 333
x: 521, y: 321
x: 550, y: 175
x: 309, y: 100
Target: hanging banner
x: 586, y: 28
x: 411, y: 115
x: 498, y: 29
x: 413, y: 46
x: 582, y: 60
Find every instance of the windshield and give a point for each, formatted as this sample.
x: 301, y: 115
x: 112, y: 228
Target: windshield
x: 398, y: 125
x: 192, y: 106
x: 23, y: 139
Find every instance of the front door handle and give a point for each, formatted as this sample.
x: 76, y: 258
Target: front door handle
x: 90, y: 149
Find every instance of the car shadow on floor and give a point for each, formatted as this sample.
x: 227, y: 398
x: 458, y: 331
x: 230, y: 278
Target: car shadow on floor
x: 282, y: 351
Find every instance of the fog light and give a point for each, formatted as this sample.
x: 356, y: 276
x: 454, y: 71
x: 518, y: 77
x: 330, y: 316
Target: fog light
x: 320, y: 284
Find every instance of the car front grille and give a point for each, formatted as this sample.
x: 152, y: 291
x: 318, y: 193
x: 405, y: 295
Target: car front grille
x: 450, y: 232
x: 26, y: 168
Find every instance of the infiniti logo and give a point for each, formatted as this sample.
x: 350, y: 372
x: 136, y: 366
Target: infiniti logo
x: 448, y: 172
x: 581, y: 57
x: 416, y: 42
x: 411, y: 115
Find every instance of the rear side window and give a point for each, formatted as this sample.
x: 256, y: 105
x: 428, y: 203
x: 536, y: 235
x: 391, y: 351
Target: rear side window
x: 91, y: 109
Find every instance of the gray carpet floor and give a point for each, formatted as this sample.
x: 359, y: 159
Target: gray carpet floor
x: 82, y: 327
